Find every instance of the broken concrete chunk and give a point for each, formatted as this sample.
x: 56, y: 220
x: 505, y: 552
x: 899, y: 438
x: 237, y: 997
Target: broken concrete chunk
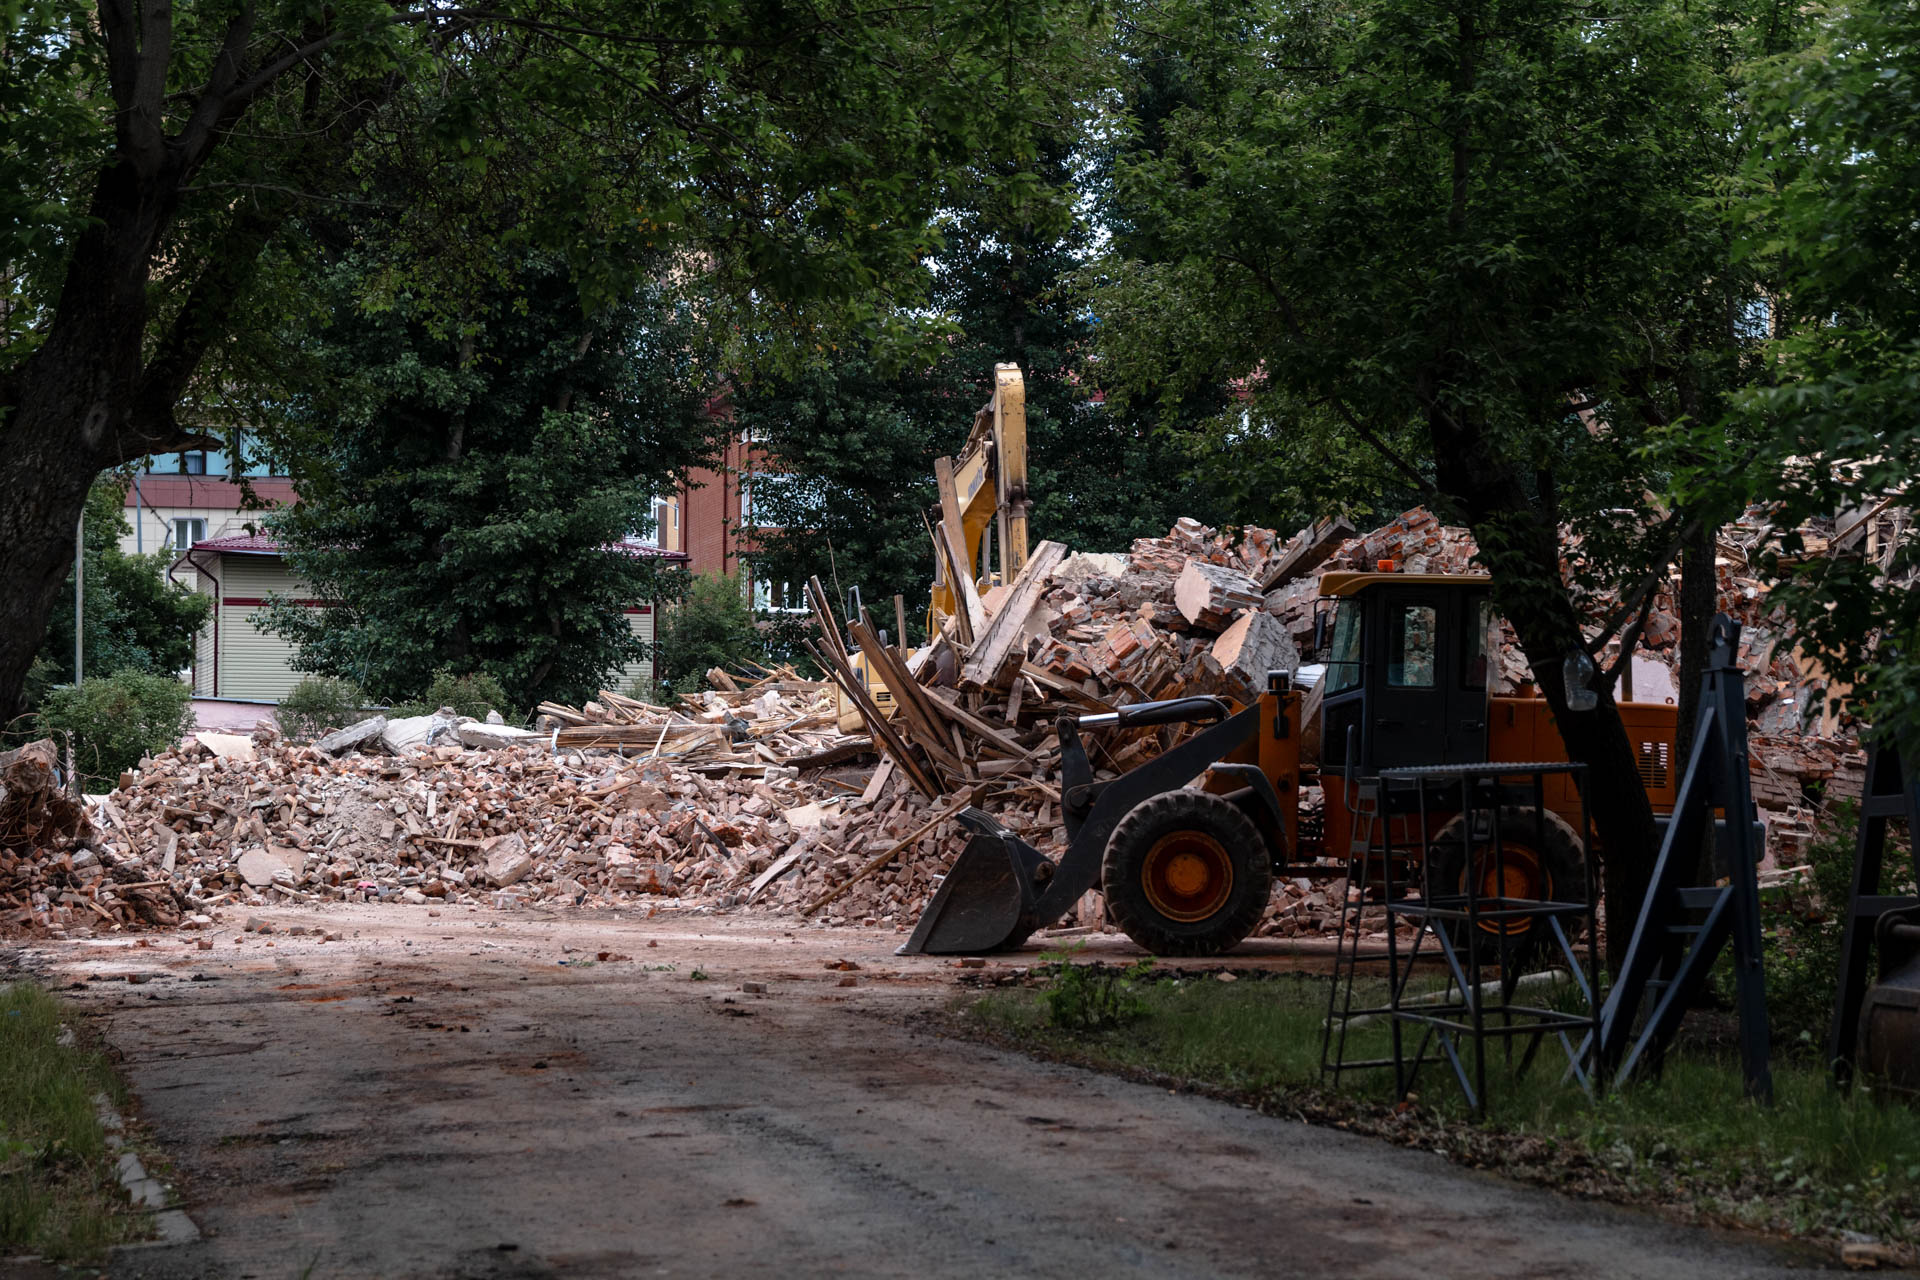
x: 258, y: 867
x: 508, y: 862
x: 227, y: 746
x: 418, y: 731
x: 486, y: 737
x: 341, y: 741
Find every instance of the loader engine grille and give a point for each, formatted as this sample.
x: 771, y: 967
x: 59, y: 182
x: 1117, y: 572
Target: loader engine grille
x: 1655, y: 758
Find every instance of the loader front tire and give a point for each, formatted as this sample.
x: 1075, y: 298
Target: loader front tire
x: 1187, y: 874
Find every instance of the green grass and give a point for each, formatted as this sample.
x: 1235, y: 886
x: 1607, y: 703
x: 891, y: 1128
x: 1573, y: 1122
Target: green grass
x: 1815, y: 1164
x: 59, y: 1196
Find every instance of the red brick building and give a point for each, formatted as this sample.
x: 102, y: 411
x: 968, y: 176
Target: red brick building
x: 710, y: 518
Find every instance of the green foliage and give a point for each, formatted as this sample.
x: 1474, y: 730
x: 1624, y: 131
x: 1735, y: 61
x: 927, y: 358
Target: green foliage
x: 856, y: 437
x: 1832, y: 208
x: 466, y: 498
x: 711, y: 626
x: 59, y: 1194
x: 1414, y: 248
x: 1092, y: 997
x: 775, y: 166
x: 135, y: 619
x: 826, y: 139
x: 469, y: 695
x: 1804, y: 924
x: 115, y: 720
x: 318, y: 705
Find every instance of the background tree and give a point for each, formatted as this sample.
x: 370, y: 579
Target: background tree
x: 464, y: 503
x: 1461, y: 237
x: 154, y: 156
x: 134, y: 618
x: 710, y: 626
x: 859, y: 437
x: 1834, y: 208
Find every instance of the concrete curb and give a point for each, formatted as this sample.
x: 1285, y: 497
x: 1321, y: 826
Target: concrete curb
x: 146, y: 1192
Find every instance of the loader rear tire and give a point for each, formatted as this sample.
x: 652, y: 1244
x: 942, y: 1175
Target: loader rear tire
x: 1187, y: 874
x: 1543, y: 862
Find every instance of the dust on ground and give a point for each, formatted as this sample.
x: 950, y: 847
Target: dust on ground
x: 472, y: 1094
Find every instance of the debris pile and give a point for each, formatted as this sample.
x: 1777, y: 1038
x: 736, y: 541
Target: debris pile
x: 777, y: 719
x: 752, y: 794
x: 202, y: 829
x: 45, y: 864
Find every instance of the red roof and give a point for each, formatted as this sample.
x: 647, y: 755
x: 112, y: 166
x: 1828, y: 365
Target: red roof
x: 634, y: 547
x: 245, y: 544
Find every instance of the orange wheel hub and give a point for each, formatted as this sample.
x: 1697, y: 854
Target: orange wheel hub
x: 1187, y: 876
x: 1516, y: 874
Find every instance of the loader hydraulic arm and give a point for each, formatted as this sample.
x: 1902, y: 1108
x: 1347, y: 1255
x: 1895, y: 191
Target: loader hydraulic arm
x: 1090, y: 825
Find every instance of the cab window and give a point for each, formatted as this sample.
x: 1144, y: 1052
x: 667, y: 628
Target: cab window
x: 1343, y: 657
x: 1478, y: 645
x: 1411, y: 640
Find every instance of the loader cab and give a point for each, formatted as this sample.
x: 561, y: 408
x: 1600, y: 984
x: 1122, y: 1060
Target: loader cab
x: 1407, y: 670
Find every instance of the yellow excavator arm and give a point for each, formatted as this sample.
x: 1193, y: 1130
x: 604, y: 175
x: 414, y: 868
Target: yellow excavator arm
x: 982, y: 489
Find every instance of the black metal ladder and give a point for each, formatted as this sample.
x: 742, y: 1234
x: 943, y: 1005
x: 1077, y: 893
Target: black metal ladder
x: 1890, y: 792
x: 1671, y: 953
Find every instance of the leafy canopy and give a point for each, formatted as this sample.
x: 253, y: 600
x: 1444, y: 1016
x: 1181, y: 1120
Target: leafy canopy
x: 134, y: 617
x: 1833, y: 207
x: 467, y: 500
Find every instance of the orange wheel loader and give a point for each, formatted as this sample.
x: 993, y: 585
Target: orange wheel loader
x: 1188, y: 871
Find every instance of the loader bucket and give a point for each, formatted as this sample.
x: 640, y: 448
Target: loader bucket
x: 986, y: 901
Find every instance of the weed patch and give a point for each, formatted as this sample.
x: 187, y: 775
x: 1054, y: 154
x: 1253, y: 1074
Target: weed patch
x: 59, y: 1195
x: 1092, y: 997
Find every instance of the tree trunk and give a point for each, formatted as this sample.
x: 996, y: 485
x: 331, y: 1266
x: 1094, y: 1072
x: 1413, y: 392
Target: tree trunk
x: 43, y: 489
x: 1699, y: 597
x: 1699, y: 600
x: 76, y: 408
x: 1520, y: 546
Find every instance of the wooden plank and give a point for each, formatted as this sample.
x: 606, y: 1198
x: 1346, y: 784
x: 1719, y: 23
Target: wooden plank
x: 943, y: 574
x: 884, y: 664
x: 878, y: 782
x: 823, y: 615
x: 883, y: 734
x: 1010, y: 464
x: 1307, y: 552
x: 992, y: 738
x: 1065, y: 688
x: 921, y: 723
x: 998, y: 648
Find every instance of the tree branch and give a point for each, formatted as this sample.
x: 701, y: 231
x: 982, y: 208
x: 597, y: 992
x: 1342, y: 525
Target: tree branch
x: 1628, y: 643
x: 1284, y: 304
x: 144, y: 146
x: 150, y: 76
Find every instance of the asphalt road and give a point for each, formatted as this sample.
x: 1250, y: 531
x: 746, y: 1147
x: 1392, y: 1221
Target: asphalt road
x: 439, y: 1098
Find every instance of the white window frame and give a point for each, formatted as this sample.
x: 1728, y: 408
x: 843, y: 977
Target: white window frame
x: 763, y: 597
x: 198, y: 526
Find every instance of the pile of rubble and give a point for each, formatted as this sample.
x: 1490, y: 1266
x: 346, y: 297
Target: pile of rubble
x: 778, y: 718
x: 750, y: 794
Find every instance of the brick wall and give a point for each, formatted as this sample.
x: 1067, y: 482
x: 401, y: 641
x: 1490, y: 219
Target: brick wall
x: 710, y: 510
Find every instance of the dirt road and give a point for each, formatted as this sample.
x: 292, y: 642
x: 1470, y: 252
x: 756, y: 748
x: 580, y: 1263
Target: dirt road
x: 465, y: 1097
